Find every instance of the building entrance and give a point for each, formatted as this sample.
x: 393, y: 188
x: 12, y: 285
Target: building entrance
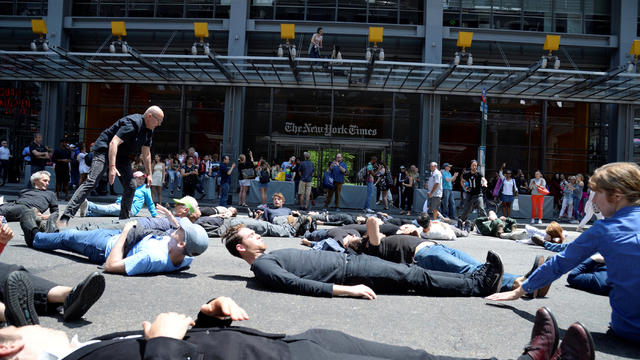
x: 355, y: 154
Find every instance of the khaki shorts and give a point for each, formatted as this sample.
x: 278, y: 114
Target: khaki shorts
x: 305, y: 188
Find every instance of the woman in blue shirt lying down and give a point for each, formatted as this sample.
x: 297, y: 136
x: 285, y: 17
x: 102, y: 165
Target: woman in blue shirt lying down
x: 616, y: 238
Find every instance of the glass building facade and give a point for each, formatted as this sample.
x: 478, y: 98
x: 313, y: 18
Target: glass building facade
x: 279, y: 122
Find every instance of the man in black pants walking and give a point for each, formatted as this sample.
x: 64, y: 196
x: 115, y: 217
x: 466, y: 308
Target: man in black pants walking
x: 322, y: 273
x: 127, y: 136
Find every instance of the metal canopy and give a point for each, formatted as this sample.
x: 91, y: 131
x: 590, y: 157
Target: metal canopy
x: 442, y: 79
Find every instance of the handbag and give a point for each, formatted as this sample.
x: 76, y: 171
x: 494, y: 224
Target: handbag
x: 327, y: 180
x: 248, y: 174
x: 542, y: 190
x: 515, y: 205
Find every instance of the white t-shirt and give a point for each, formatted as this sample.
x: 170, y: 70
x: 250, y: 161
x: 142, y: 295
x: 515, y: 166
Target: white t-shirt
x: 435, y: 178
x: 438, y: 231
x: 82, y: 166
x: 507, y: 186
x: 4, y: 153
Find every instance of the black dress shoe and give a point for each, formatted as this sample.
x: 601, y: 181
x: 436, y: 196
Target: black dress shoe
x: 83, y: 296
x: 544, y: 336
x: 577, y: 344
x: 489, y: 275
x: 19, y: 309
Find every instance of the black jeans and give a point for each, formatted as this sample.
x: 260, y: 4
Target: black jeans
x: 407, y: 204
x: 41, y: 287
x: 387, y: 277
x: 320, y: 344
x: 99, y: 167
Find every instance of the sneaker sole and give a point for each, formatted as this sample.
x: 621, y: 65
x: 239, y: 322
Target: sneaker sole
x: 498, y: 283
x: 89, y: 294
x: 19, y: 306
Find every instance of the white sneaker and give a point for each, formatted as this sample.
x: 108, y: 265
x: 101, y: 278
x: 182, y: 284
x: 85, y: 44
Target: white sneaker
x: 533, y: 221
x: 83, y: 208
x: 539, y: 221
x: 369, y: 210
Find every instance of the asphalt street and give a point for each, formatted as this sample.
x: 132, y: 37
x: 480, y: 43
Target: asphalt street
x: 467, y: 327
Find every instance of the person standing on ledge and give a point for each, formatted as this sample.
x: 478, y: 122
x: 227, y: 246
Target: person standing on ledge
x: 129, y: 135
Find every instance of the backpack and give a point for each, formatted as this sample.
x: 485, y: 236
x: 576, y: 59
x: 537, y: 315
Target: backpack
x: 88, y: 159
x: 327, y: 180
x: 362, y: 174
x: 265, y: 176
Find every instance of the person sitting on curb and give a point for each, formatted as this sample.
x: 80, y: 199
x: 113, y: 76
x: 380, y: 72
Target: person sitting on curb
x: 327, y: 274
x: 212, y: 336
x: 130, y: 252
x: 500, y: 227
x: 43, y: 296
x: 141, y: 197
x: 617, y: 187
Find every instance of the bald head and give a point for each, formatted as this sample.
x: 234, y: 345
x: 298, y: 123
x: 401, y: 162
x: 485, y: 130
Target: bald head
x: 153, y: 117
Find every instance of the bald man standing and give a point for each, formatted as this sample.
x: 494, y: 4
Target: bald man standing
x: 128, y: 136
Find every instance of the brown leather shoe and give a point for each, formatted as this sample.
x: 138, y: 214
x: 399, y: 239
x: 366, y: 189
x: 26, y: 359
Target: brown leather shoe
x: 577, y: 344
x: 544, y: 336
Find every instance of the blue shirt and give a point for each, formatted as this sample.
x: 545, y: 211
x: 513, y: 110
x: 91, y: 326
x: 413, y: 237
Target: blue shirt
x: 149, y: 255
x: 617, y: 239
x: 140, y: 197
x: 338, y: 176
x: 446, y: 185
x: 224, y: 178
x: 306, y: 171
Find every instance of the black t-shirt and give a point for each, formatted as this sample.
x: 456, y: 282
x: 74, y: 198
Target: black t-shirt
x: 338, y: 234
x: 386, y: 229
x: 131, y: 130
x: 394, y: 248
x: 190, y: 179
x: 245, y: 165
x: 34, y: 160
x: 39, y: 199
x: 61, y: 154
x: 475, y: 182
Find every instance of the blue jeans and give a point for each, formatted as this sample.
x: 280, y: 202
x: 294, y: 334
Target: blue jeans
x: 443, y: 258
x: 92, y: 244
x: 448, y: 205
x: 590, y: 276
x: 224, y: 194
x: 94, y: 209
x: 576, y: 207
x: 369, y: 193
x: 317, y: 235
x: 554, y: 247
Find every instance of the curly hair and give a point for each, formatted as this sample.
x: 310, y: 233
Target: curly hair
x: 554, y: 230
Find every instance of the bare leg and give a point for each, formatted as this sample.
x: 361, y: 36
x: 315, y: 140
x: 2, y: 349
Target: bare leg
x: 385, y: 199
x: 58, y: 294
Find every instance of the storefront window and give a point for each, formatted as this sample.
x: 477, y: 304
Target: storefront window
x: 20, y: 106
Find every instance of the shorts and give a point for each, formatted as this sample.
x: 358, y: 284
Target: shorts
x: 263, y: 185
x: 506, y: 198
x: 434, y: 203
x: 245, y: 182
x: 305, y: 188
